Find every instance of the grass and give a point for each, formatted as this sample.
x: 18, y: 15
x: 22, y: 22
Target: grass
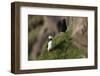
x: 63, y: 48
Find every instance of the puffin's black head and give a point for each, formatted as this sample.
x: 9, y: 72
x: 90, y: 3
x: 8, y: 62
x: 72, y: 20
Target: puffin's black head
x: 49, y: 40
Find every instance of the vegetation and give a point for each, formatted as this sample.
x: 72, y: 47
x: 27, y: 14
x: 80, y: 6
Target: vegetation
x: 62, y: 48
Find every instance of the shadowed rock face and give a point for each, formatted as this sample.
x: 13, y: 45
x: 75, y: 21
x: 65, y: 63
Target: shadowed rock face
x: 60, y: 23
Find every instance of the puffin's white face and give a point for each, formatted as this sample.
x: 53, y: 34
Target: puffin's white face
x: 50, y: 37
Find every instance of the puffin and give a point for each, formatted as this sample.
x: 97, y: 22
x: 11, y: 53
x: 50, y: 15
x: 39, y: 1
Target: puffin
x: 50, y: 46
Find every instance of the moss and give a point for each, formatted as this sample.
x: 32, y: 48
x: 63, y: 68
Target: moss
x: 62, y: 48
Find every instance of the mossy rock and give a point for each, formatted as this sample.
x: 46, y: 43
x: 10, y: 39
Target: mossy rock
x: 62, y: 48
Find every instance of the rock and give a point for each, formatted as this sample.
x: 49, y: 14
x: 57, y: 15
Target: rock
x: 80, y: 34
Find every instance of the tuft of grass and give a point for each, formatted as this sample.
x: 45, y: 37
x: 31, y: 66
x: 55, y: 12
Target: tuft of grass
x: 63, y: 48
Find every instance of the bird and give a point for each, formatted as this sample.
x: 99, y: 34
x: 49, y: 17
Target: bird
x: 50, y: 43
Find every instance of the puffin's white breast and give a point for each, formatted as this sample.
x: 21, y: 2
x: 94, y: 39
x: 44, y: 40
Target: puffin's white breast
x: 49, y: 45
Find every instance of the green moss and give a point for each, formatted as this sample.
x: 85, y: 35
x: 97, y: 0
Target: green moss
x: 62, y: 48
